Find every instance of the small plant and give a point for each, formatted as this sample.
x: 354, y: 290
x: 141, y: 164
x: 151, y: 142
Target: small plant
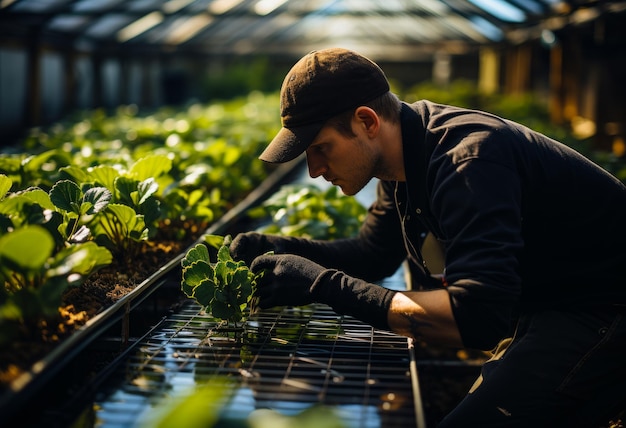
x: 34, y: 277
x: 308, y: 211
x: 224, y: 287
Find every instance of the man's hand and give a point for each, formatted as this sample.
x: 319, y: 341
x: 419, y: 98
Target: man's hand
x: 246, y: 246
x: 287, y: 280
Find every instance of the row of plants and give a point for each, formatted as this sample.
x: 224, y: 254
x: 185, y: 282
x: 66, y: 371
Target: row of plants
x: 96, y: 192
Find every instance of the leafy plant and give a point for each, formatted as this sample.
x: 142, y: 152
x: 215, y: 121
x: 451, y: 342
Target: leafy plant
x: 78, y: 208
x: 308, y: 211
x: 224, y: 287
x: 35, y: 276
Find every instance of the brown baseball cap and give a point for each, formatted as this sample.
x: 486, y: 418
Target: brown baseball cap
x: 319, y: 86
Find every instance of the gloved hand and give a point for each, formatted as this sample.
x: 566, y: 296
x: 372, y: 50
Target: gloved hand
x: 246, y: 246
x: 287, y: 280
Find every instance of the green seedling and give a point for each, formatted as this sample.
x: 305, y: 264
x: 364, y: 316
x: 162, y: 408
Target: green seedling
x: 224, y: 287
x: 308, y: 211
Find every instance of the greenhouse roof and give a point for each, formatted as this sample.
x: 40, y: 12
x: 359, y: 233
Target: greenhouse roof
x: 382, y: 27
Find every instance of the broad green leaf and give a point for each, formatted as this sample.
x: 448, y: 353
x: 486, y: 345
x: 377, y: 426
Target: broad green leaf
x: 39, y: 196
x: 221, y: 273
x: 28, y: 247
x: 145, y: 189
x: 215, y: 241
x: 5, y: 185
x: 204, y: 292
x: 240, y: 278
x: 125, y: 214
x: 197, y: 272
x: 99, y: 197
x: 78, y: 174
x: 37, y: 163
x: 151, y: 210
x: 11, y: 163
x: 127, y: 188
x: 81, y: 258
x: 223, y: 254
x: 198, y: 252
x: 221, y: 296
x: 105, y: 175
x: 66, y: 194
x: 150, y: 166
x: 15, y: 205
x: 195, y: 196
x: 221, y: 310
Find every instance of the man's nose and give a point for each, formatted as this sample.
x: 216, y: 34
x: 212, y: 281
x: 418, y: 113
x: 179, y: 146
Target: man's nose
x: 316, y: 167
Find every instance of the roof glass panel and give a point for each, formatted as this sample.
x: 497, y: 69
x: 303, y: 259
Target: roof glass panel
x: 107, y: 25
x: 501, y: 9
x: 532, y: 6
x: 37, y: 5
x: 94, y: 5
x: 487, y: 28
x: 69, y: 23
x: 143, y: 5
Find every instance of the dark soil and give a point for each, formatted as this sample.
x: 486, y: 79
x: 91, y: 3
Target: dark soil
x: 98, y: 292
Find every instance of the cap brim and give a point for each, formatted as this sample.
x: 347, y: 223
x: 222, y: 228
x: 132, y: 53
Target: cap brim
x: 290, y: 143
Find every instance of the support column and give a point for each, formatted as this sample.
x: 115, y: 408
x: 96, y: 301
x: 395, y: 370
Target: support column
x: 489, y: 70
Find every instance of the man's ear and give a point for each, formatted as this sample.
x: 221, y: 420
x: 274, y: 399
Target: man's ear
x: 368, y: 119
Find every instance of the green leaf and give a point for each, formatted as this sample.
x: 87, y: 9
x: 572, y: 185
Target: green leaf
x: 127, y: 188
x: 214, y: 241
x: 5, y: 185
x: 145, y: 189
x: 38, y: 196
x: 125, y: 214
x: 205, y: 292
x: 82, y: 259
x: 198, y: 252
x: 28, y: 247
x: 66, y: 194
x: 223, y: 254
x: 99, y: 197
x: 150, y: 166
x: 221, y: 310
x: 78, y: 174
x: 104, y: 175
x: 197, y: 272
x: 221, y: 273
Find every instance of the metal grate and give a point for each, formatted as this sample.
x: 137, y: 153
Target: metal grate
x: 287, y: 361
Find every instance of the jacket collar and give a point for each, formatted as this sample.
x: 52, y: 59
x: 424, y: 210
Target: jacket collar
x: 416, y: 164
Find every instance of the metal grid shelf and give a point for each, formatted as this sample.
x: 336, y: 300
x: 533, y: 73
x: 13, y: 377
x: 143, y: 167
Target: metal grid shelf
x: 285, y: 360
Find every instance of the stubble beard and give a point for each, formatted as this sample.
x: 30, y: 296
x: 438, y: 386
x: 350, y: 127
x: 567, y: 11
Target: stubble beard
x: 361, y: 174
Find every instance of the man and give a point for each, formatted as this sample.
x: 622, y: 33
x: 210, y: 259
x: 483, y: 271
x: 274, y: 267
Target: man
x: 534, y: 237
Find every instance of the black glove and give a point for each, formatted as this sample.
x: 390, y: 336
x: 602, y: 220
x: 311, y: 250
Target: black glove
x: 292, y: 280
x: 246, y: 246
x: 287, y: 280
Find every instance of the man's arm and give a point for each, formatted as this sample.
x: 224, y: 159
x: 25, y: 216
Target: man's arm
x: 424, y: 315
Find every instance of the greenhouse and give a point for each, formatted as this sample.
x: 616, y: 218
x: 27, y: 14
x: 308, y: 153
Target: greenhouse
x: 148, y: 146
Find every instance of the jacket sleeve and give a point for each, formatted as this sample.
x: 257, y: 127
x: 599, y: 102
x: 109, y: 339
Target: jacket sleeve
x: 375, y: 253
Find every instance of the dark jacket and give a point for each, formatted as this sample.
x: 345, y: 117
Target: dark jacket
x: 526, y: 222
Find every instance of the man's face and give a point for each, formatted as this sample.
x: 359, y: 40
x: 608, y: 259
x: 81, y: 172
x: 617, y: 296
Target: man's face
x: 347, y: 162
